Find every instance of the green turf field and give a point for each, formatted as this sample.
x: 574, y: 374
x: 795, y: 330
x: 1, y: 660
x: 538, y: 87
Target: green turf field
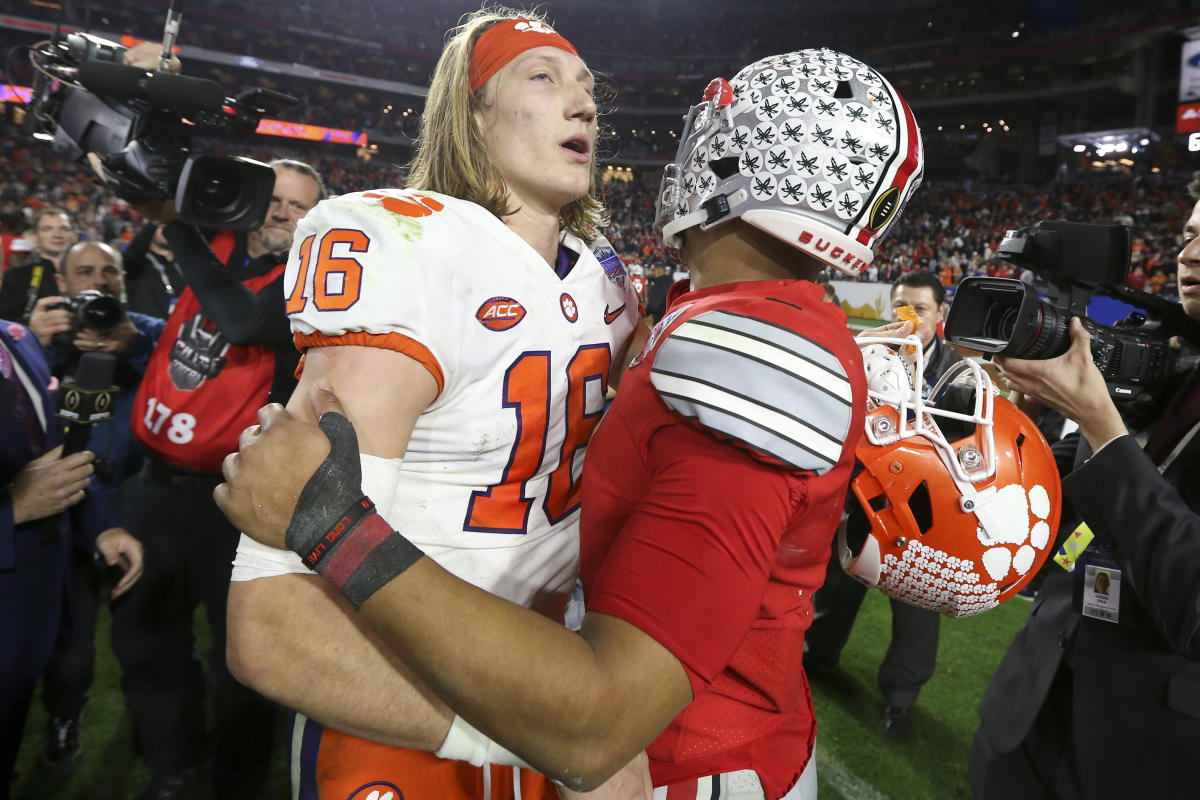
x: 854, y: 762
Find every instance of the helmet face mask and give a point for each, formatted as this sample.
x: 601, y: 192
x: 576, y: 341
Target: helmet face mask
x: 813, y: 147
x: 959, y: 495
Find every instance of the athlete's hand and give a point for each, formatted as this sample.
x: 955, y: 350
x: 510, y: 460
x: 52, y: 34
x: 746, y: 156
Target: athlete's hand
x: 631, y: 782
x: 275, y: 460
x: 892, y: 330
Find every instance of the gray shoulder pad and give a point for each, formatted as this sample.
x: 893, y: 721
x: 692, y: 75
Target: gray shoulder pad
x: 759, y: 383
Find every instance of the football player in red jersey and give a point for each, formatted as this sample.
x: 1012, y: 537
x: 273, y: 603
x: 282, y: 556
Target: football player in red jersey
x: 711, y: 492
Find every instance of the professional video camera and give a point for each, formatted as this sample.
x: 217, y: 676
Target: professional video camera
x: 1005, y: 316
x: 140, y: 123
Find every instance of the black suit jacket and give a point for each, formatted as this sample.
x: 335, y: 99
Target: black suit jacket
x: 1136, y: 690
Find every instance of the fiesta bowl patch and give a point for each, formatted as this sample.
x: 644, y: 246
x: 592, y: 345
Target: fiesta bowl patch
x: 500, y: 313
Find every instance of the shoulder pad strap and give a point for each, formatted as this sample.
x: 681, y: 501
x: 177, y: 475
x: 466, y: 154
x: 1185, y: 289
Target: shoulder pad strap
x: 778, y: 392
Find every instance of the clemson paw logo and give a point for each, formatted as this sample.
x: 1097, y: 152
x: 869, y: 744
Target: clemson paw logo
x: 533, y: 26
x: 569, y: 308
x: 407, y: 203
x: 377, y: 790
x: 1017, y: 530
x: 1011, y: 540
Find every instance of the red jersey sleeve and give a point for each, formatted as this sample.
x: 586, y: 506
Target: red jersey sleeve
x: 691, y: 563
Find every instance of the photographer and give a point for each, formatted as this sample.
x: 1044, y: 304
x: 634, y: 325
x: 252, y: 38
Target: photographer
x: 152, y: 281
x: 87, y: 317
x: 226, y: 351
x: 1099, y: 694
x: 23, y: 286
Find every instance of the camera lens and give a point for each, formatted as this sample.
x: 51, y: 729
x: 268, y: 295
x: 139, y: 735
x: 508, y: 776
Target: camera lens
x: 999, y: 322
x: 1051, y: 338
x: 217, y: 189
x: 101, y: 313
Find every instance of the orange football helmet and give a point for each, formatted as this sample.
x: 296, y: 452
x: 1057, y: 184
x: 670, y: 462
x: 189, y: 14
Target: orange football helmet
x: 960, y: 492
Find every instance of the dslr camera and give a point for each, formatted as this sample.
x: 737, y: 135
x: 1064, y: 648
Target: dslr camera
x: 141, y: 123
x: 92, y: 310
x: 1005, y: 316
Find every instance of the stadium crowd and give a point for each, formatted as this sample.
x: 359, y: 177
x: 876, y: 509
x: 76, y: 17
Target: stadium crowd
x: 949, y: 229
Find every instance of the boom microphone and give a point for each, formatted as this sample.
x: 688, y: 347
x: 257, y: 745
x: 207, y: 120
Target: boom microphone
x: 125, y: 82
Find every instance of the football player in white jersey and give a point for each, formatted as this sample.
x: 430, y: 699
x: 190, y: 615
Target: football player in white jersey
x: 475, y: 322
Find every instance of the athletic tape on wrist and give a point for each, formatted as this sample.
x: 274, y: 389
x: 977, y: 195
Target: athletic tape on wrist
x: 359, y: 552
x: 465, y: 743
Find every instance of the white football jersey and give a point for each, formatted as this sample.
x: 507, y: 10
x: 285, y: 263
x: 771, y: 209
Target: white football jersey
x: 489, y: 484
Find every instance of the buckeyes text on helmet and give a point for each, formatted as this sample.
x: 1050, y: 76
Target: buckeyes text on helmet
x: 814, y: 147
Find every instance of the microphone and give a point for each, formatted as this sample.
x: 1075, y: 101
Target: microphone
x: 89, y: 400
x: 125, y: 82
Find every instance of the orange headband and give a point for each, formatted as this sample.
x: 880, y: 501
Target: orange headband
x: 501, y: 43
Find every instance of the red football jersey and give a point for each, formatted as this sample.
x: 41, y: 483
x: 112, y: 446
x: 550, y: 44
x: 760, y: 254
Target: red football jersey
x: 712, y: 491
x: 200, y: 391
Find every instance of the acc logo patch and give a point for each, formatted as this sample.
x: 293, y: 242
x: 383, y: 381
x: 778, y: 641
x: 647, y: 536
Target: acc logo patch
x: 569, y: 308
x: 884, y: 207
x: 377, y: 790
x: 500, y: 313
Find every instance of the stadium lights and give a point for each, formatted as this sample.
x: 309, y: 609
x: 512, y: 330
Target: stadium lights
x: 1016, y: 34
x: 1080, y: 148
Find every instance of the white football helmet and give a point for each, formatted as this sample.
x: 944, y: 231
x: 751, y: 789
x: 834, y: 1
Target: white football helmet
x: 813, y: 147
x: 959, y: 495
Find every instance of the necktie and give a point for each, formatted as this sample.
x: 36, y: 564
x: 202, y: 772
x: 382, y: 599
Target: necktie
x: 23, y: 412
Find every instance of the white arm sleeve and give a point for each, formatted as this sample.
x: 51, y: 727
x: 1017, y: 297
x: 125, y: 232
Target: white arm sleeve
x: 254, y: 560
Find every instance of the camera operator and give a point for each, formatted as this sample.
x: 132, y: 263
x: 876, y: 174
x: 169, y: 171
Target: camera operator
x: 23, y: 286
x: 1099, y: 694
x: 226, y: 351
x: 68, y: 325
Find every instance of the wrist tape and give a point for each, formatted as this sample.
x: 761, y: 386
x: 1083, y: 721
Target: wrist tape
x: 335, y: 529
x: 465, y: 743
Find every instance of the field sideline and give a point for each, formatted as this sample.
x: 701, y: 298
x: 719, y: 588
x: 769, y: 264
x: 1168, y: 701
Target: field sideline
x: 854, y: 762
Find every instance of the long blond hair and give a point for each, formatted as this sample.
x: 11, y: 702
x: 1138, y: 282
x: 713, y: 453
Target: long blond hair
x: 451, y: 157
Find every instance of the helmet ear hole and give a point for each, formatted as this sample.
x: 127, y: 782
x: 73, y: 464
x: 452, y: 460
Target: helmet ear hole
x: 858, y: 526
x: 921, y: 507
x: 724, y: 167
x: 844, y: 90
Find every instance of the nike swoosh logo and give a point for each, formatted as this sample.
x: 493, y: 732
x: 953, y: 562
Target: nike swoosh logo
x: 611, y: 316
